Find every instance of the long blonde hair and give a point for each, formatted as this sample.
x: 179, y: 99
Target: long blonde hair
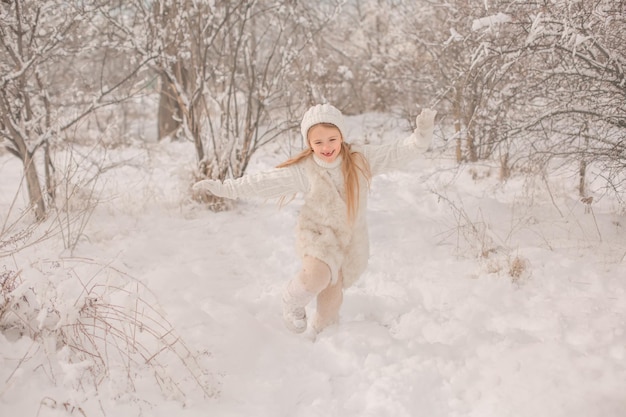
x: 353, y: 163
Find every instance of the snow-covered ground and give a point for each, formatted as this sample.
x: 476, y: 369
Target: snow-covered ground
x: 481, y: 299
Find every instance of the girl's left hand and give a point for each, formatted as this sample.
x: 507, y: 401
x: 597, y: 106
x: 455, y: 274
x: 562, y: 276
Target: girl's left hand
x: 425, y: 121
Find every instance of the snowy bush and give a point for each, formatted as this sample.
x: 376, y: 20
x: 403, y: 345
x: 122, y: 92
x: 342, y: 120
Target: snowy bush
x: 97, y: 328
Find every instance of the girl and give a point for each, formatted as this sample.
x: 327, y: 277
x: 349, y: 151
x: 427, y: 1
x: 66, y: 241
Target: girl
x: 332, y: 234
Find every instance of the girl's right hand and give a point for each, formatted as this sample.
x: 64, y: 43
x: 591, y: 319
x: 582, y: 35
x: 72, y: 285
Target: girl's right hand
x: 211, y: 186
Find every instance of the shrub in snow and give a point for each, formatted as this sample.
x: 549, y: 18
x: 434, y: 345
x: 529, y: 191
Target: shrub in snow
x: 96, y: 325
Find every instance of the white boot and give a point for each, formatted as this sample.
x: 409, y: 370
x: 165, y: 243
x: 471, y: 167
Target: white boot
x: 295, y: 299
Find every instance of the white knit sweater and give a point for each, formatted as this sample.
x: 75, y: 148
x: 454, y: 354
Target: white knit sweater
x: 281, y: 182
x: 323, y: 228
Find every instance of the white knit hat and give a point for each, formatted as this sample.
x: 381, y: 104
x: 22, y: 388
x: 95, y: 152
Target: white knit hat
x: 322, y: 113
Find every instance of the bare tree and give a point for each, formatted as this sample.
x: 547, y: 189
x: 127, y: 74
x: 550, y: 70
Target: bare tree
x: 468, y: 73
x: 548, y: 81
x: 43, y: 90
x: 365, y: 58
x: 227, y: 70
x: 580, y: 56
x: 528, y: 82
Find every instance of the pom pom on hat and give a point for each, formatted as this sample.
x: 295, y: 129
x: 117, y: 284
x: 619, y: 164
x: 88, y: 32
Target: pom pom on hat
x: 322, y: 113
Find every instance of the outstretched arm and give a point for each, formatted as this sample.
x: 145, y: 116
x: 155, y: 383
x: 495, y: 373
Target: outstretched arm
x: 396, y: 155
x: 270, y: 184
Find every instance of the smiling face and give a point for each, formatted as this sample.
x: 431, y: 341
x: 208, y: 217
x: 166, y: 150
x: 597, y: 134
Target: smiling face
x: 325, y: 140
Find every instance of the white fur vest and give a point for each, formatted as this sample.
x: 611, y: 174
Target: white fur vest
x: 324, y: 231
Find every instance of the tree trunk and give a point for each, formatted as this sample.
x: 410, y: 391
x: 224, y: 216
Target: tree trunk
x: 470, y: 142
x: 49, y: 171
x: 35, y: 194
x: 457, y: 127
x: 582, y: 172
x: 169, y: 118
x: 34, y: 186
x: 471, y: 147
x: 505, y: 169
